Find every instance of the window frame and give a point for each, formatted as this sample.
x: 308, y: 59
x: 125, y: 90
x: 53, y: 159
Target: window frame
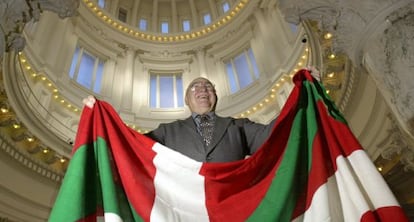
x: 222, y: 6
x: 203, y: 18
x: 247, y: 52
x: 161, y: 25
x: 101, y: 3
x: 183, y: 25
x: 123, y: 11
x: 74, y: 75
x: 175, y: 74
x: 143, y: 19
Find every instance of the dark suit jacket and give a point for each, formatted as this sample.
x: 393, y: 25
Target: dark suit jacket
x: 233, y: 139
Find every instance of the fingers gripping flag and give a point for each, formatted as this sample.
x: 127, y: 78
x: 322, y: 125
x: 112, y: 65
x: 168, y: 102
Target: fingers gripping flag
x: 311, y: 168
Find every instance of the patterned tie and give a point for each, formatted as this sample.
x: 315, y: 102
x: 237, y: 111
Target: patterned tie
x: 206, y: 128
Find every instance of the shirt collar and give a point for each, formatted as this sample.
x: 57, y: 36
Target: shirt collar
x: 209, y: 114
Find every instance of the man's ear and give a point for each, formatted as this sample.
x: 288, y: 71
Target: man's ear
x: 186, y: 99
x: 215, y: 104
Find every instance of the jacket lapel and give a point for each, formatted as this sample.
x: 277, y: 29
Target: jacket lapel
x: 191, y: 127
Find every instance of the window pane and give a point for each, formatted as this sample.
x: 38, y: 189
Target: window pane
x: 101, y: 3
x: 243, y: 71
x: 167, y: 92
x: 143, y: 24
x: 153, y: 91
x: 180, y: 90
x: 232, y: 79
x: 164, y: 27
x: 86, y: 70
x: 164, y: 92
x: 293, y: 28
x: 90, y: 69
x: 225, y: 6
x: 122, y: 14
x: 74, y: 63
x: 98, y: 77
x: 254, y: 64
x: 186, y: 25
x: 207, y: 19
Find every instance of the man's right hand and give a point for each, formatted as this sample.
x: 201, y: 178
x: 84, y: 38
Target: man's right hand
x: 89, y: 101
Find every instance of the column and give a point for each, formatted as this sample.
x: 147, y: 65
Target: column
x: 200, y: 53
x: 155, y: 27
x: 134, y: 16
x: 126, y: 100
x: 174, y: 25
x: 213, y: 10
x: 114, y: 8
x: 108, y: 78
x: 194, y: 14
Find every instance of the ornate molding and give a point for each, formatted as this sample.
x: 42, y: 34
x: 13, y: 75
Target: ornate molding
x: 63, y: 8
x: 390, y: 57
x: 396, y: 144
x: 349, y: 21
x: 397, y: 59
x: 376, y: 35
x: 14, y: 14
x: 26, y: 160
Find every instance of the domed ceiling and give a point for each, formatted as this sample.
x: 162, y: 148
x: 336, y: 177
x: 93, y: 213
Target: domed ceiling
x: 40, y: 106
x: 56, y: 101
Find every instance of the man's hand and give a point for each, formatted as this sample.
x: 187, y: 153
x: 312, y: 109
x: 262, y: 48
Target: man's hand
x: 314, y: 72
x: 89, y: 101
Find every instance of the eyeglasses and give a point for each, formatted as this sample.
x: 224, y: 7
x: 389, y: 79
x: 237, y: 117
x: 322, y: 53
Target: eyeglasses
x: 197, y: 87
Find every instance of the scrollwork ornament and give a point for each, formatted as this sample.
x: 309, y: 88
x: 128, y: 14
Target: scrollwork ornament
x: 407, y: 159
x: 398, y: 43
x: 396, y: 144
x: 14, y: 14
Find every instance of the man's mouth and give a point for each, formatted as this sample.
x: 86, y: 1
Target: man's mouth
x: 202, y: 97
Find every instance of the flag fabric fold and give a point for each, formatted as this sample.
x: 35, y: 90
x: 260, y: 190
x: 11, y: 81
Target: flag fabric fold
x: 312, y: 168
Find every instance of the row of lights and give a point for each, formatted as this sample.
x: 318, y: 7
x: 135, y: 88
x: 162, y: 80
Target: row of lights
x: 59, y: 98
x: 137, y: 129
x: 165, y: 38
x: 39, y: 77
x: 271, y: 95
x: 331, y: 56
x: 30, y: 139
x: 328, y: 36
x: 36, y: 76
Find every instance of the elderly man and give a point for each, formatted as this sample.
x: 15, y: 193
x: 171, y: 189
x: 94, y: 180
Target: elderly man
x: 207, y: 137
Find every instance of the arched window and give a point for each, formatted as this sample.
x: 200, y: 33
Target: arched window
x: 242, y: 70
x: 87, y: 69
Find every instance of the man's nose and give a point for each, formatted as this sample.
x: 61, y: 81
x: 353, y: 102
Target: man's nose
x: 203, y: 88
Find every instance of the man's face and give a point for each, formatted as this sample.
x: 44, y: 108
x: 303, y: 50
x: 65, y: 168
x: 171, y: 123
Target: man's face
x: 201, y: 96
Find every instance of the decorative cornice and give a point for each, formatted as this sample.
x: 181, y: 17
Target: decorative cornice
x: 166, y: 38
x: 63, y: 8
x: 9, y: 148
